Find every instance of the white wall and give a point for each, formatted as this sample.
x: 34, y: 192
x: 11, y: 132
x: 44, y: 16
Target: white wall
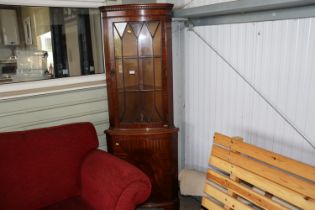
x: 178, y: 86
x: 197, y: 3
x: 278, y: 58
x: 85, y: 105
x: 177, y: 3
x: 60, y: 3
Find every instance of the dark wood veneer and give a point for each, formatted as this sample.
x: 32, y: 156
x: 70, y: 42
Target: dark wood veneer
x: 138, y: 58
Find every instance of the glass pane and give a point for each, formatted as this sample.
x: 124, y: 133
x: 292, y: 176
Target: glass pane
x: 148, y: 73
x: 121, y: 28
x: 120, y: 86
x: 131, y: 77
x: 130, y: 47
x: 136, y: 26
x: 122, y: 104
x: 157, y: 42
x: 149, y: 111
x: 117, y: 43
x: 152, y: 26
x: 158, y: 73
x: 131, y: 112
x: 119, y: 75
x: 139, y: 80
x: 145, y: 42
x: 159, y: 105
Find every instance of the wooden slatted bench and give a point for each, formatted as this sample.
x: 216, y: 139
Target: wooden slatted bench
x: 243, y: 177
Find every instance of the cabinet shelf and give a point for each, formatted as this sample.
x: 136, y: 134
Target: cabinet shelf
x: 138, y: 90
x: 145, y: 88
x: 136, y: 57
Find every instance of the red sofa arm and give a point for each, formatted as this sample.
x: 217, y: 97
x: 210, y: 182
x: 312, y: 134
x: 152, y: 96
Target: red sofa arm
x: 109, y: 183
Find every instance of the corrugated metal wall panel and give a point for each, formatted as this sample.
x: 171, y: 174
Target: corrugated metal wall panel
x: 178, y: 86
x: 56, y: 109
x: 278, y: 58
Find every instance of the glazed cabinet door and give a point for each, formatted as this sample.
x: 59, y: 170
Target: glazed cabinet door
x: 138, y: 71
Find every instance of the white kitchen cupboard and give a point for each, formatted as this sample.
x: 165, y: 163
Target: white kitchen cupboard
x: 9, y: 27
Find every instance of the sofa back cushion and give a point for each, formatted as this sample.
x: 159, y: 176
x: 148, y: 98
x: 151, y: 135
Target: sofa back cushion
x: 42, y: 166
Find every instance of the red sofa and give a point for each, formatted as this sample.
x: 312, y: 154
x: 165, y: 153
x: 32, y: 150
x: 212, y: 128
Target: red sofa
x: 61, y: 168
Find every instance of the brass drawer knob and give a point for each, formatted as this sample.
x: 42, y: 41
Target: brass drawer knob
x: 117, y: 144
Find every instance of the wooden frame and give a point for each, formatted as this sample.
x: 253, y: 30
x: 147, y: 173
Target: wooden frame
x: 243, y: 176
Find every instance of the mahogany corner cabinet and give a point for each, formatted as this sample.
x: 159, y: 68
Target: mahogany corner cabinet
x: 138, y: 58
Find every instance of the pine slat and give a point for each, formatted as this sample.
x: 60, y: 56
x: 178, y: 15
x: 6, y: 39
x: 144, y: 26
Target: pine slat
x: 280, y: 161
x: 224, y: 198
x: 264, y: 184
x: 246, y: 193
x: 263, y: 170
x: 231, y: 192
x: 205, y: 202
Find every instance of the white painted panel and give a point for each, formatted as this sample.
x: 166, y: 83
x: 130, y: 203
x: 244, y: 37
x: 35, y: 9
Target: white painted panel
x: 278, y: 58
x: 198, y: 3
x: 86, y: 105
x: 53, y: 85
x: 61, y: 3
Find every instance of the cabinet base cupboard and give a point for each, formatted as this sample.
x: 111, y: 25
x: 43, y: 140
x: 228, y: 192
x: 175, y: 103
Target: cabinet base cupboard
x: 138, y: 58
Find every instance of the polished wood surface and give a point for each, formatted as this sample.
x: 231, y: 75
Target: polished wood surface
x: 155, y: 153
x: 138, y: 58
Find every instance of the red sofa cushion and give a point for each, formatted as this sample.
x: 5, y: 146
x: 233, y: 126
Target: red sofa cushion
x: 109, y: 183
x: 32, y: 178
